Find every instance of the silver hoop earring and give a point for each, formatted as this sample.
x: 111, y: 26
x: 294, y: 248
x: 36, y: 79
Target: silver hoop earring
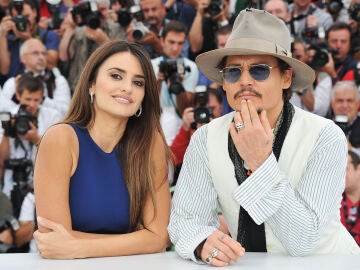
x: 91, y: 97
x: 138, y: 112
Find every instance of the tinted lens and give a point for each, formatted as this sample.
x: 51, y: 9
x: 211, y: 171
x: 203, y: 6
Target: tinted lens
x: 231, y: 74
x: 259, y: 72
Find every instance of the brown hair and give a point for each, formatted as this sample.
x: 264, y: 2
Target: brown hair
x: 134, y: 148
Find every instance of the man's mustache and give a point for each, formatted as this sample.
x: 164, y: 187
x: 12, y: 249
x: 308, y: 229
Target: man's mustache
x: 249, y: 90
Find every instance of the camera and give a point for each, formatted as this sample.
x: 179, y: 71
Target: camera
x: 125, y: 15
x: 21, y: 168
x: 20, y: 21
x: 9, y: 222
x: 172, y: 69
x: 321, y: 56
x: 334, y: 6
x: 214, y: 8
x: 355, y: 12
x: 86, y: 13
x: 56, y: 16
x: 18, y: 124
x: 202, y: 114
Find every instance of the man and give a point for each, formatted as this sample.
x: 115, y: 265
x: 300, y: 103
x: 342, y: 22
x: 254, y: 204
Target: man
x: 306, y: 19
x: 16, y: 146
x: 173, y: 103
x: 316, y: 98
x: 341, y: 65
x: 350, y: 205
x: 345, y: 101
x: 206, y: 22
x: 276, y: 171
x: 78, y: 42
x: 11, y: 37
x: 154, y: 16
x: 278, y: 8
x: 57, y: 92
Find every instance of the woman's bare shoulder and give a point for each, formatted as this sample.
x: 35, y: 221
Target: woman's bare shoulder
x: 59, y: 135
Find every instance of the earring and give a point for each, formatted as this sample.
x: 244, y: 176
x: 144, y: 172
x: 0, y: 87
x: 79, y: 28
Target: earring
x: 91, y: 97
x: 138, y: 112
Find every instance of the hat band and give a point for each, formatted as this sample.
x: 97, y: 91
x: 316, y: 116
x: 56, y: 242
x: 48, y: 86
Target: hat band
x: 256, y: 44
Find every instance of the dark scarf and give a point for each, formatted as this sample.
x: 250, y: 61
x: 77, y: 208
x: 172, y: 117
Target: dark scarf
x: 250, y: 235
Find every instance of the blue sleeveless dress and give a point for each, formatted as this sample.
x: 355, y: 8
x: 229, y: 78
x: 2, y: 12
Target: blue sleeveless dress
x: 99, y: 199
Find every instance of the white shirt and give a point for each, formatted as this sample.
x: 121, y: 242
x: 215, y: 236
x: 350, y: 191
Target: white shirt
x: 46, y: 118
x: 27, y: 213
x: 61, y: 93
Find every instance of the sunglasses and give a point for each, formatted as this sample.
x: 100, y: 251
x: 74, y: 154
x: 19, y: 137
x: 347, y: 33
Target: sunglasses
x: 259, y: 72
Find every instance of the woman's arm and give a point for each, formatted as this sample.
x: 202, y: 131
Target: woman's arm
x: 63, y: 243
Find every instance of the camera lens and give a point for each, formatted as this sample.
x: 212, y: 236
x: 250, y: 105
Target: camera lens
x: 22, y: 125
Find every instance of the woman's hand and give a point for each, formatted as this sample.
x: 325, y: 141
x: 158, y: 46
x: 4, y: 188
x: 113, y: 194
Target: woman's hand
x: 56, y: 244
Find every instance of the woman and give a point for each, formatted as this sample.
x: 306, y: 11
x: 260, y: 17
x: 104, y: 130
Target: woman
x: 101, y: 175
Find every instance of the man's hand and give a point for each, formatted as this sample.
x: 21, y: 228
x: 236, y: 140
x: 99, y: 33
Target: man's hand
x: 254, y: 141
x: 97, y: 35
x: 188, y: 118
x: 6, y: 237
x: 223, y: 246
x: 32, y: 134
x: 6, y: 25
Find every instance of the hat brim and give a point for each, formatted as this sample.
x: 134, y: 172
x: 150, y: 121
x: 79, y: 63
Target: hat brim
x: 303, y: 75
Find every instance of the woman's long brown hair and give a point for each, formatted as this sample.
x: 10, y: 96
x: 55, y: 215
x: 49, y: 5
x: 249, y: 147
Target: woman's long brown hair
x: 134, y: 149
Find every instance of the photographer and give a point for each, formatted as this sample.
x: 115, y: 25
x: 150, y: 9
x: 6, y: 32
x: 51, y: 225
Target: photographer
x: 176, y: 78
x: 341, y: 65
x: 56, y: 88
x: 154, y: 13
x: 16, y: 234
x: 345, y: 101
x: 22, y: 132
x: 207, y: 106
x: 210, y: 15
x: 86, y: 26
x: 306, y: 19
x: 19, y: 26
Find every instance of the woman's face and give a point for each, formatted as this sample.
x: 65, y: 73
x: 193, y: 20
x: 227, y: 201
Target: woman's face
x: 119, y: 88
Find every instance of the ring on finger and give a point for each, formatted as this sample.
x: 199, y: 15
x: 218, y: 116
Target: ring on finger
x: 214, y: 253
x: 239, y: 126
x: 208, y: 259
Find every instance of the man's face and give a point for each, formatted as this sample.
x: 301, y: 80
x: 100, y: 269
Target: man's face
x: 345, y: 103
x: 27, y: 12
x: 266, y: 94
x: 278, y: 8
x: 352, y: 176
x: 214, y: 105
x: 153, y: 10
x: 34, y: 58
x: 302, y: 4
x: 300, y: 52
x: 340, y: 40
x: 32, y: 100
x: 221, y: 40
x: 173, y: 44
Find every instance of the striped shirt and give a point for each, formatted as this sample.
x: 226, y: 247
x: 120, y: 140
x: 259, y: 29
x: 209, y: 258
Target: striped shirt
x: 298, y: 215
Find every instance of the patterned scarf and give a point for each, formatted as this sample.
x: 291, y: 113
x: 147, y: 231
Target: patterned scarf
x: 250, y: 235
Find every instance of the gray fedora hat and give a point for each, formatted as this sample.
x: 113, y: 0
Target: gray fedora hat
x: 257, y: 32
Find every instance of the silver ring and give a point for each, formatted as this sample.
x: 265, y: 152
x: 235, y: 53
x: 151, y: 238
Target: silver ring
x: 208, y: 259
x: 239, y: 125
x: 214, y: 252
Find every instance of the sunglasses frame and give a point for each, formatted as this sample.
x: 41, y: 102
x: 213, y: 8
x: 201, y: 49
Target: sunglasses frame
x: 249, y: 69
